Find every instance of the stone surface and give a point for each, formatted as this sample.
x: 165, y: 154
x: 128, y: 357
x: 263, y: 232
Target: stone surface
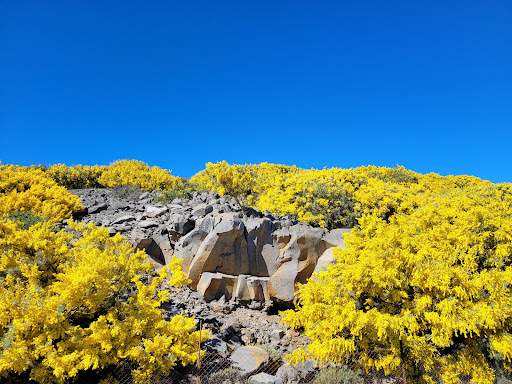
x: 152, y: 211
x: 300, y: 247
x: 202, y: 210
x: 97, y: 208
x: 123, y: 219
x: 264, y: 378
x: 249, y: 358
x: 187, y: 246
x: 223, y: 250
x: 152, y: 249
x: 147, y: 223
x: 216, y: 285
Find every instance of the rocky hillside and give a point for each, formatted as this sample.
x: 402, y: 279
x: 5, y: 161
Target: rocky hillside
x: 243, y: 264
x: 228, y: 252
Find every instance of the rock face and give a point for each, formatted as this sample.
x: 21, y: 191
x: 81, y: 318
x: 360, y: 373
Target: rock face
x: 227, y: 252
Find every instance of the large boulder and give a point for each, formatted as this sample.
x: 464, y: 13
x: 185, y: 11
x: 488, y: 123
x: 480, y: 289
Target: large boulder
x: 223, y: 250
x: 253, y: 288
x: 215, y: 285
x: 188, y: 245
x: 259, y: 239
x: 333, y: 239
x: 300, y: 247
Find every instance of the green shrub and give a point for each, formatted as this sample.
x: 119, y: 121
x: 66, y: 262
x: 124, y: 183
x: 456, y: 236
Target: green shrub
x: 338, y: 375
x: 26, y: 219
x: 227, y: 376
x: 182, y: 190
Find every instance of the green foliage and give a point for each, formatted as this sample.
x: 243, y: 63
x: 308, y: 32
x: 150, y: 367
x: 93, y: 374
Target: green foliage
x: 77, y: 176
x: 182, y: 190
x: 127, y: 192
x: 340, y: 210
x: 338, y: 375
x: 227, y: 376
x: 25, y: 219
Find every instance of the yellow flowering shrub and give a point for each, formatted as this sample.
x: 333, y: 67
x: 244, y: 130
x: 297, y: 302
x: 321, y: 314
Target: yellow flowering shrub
x: 75, y: 302
x: 77, y: 176
x: 323, y: 197
x: 79, y: 301
x: 423, y: 289
x: 135, y: 173
x: 25, y: 189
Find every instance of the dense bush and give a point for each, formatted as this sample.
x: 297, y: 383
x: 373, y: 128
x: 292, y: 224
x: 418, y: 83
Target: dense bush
x: 77, y: 301
x: 183, y: 189
x: 77, y: 176
x: 25, y: 189
x: 25, y: 219
x: 338, y: 375
x: 321, y: 197
x: 135, y: 173
x: 423, y: 289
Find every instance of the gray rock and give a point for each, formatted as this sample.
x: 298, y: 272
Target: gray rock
x: 300, y: 246
x: 147, y: 223
x: 259, y: 237
x: 206, y: 223
x: 121, y: 206
x: 97, y: 208
x: 202, y: 210
x: 294, y: 374
x: 123, y: 219
x: 181, y: 224
x: 153, y: 211
x: 187, y: 246
x: 152, y: 249
x: 223, y: 250
x: 264, y: 378
x: 217, y: 345
x: 334, y: 238
x: 249, y: 358
x: 213, y: 286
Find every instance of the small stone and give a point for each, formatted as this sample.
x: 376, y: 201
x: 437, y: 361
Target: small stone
x: 147, y: 224
x: 97, y: 208
x: 152, y: 211
x: 202, y: 210
x: 264, y: 378
x: 217, y: 345
x: 123, y: 219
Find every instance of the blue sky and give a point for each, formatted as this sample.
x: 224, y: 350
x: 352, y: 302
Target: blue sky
x: 424, y: 84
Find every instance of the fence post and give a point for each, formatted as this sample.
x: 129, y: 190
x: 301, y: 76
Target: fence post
x: 199, y: 345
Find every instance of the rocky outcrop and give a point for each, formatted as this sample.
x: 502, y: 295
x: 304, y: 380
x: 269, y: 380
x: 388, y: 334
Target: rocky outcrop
x: 227, y: 252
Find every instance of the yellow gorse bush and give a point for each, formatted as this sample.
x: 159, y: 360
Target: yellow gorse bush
x: 135, y: 173
x: 76, y: 301
x: 324, y: 197
x: 424, y: 287
x: 27, y: 189
x: 76, y: 176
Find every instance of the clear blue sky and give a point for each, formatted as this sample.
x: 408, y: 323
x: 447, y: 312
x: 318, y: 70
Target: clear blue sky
x: 424, y: 84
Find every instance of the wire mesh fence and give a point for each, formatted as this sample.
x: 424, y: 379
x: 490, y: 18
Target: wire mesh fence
x: 248, y: 368
x: 214, y: 368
